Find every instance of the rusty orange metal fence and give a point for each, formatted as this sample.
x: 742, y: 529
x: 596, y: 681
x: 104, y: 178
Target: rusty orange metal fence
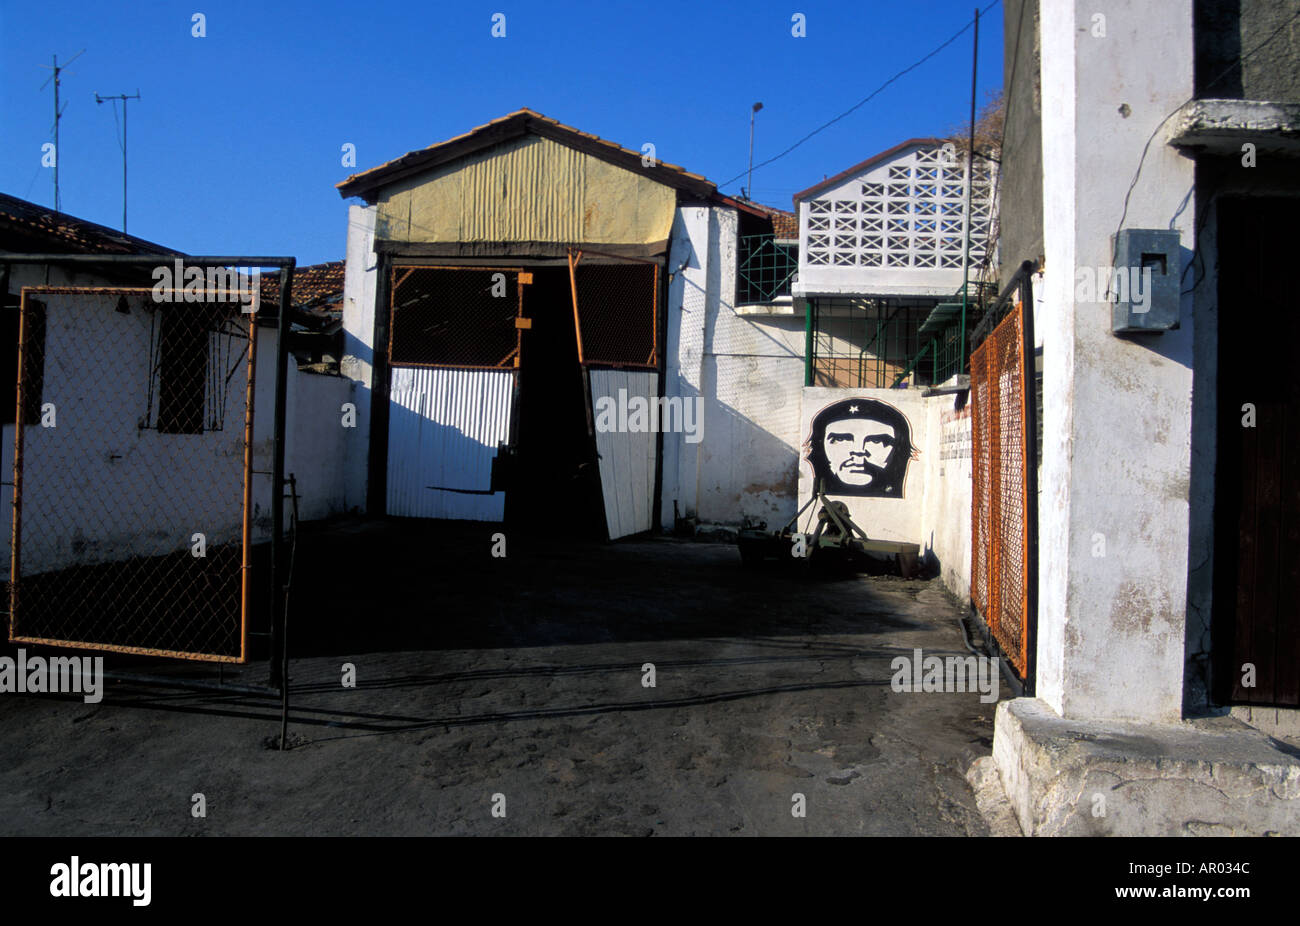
x: 132, y: 473
x: 1002, y: 573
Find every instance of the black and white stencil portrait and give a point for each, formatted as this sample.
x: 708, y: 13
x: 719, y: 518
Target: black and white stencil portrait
x: 860, y: 447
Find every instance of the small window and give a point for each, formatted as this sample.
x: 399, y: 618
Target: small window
x: 34, y: 364
x: 182, y: 372
x: 765, y: 269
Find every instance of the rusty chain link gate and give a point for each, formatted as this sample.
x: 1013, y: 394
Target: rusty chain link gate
x: 133, y: 474
x: 615, y: 310
x: 1004, y: 478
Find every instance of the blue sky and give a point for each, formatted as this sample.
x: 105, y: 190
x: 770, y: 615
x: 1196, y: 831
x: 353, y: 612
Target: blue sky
x: 235, y: 145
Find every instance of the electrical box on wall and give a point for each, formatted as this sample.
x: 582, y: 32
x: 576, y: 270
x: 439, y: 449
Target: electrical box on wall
x: 1145, y: 282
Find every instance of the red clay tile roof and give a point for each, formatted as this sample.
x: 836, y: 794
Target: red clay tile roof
x: 317, y: 290
x: 785, y: 225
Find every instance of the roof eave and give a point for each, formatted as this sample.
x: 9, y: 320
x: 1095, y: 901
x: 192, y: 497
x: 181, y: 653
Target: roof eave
x: 860, y: 167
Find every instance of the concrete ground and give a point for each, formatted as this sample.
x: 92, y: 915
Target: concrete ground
x: 521, y: 678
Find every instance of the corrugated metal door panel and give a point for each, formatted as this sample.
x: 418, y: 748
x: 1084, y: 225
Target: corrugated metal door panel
x: 443, y: 430
x: 627, y: 459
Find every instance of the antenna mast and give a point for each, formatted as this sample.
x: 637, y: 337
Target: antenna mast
x: 123, y: 97
x: 58, y: 114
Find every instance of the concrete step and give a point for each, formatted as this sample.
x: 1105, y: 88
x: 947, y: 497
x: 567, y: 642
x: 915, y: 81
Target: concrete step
x: 1211, y: 777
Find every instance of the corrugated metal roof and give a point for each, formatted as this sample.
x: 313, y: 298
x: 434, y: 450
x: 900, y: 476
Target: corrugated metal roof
x: 522, y: 121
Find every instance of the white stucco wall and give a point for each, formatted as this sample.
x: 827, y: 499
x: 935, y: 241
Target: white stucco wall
x: 1117, y: 413
x: 359, y: 280
x: 946, y: 506
x: 688, y: 307
x: 749, y: 371
x: 316, y: 443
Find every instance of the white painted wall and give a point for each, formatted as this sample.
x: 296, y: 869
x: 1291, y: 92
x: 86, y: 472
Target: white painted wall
x: 1117, y: 413
x: 749, y: 371
x: 360, y: 277
x: 897, y: 519
x: 946, y: 506
x: 316, y: 440
x: 688, y: 308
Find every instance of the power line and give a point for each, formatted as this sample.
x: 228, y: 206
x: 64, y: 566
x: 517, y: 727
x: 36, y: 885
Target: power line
x: 911, y: 67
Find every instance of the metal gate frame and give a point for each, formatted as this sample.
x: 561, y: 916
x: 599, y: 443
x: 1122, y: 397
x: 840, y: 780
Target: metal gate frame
x: 575, y: 255
x: 246, y: 492
x: 990, y: 358
x: 285, y: 266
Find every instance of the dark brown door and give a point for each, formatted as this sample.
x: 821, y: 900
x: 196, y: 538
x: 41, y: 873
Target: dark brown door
x: 1257, y: 494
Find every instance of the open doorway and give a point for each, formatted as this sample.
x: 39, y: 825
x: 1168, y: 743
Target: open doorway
x: 1256, y: 629
x: 555, y: 484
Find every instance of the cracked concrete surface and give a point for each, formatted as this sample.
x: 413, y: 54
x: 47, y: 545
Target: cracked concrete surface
x: 523, y: 677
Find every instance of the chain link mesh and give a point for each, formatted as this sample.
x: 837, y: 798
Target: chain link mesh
x: 132, y: 461
x: 618, y: 312
x: 999, y: 523
x: 455, y: 316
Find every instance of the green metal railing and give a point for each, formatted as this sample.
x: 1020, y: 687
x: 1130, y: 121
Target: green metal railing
x: 944, y: 337
x: 863, y: 343
x: 765, y: 269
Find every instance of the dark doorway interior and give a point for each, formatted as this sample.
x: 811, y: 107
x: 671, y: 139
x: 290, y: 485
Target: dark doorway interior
x: 1256, y: 621
x: 555, y: 486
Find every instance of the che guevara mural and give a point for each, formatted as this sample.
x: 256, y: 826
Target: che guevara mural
x: 860, y: 447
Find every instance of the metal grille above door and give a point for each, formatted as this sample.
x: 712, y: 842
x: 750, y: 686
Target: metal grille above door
x: 455, y: 317
x: 616, y: 307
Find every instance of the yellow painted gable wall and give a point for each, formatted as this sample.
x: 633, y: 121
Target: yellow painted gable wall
x: 528, y: 189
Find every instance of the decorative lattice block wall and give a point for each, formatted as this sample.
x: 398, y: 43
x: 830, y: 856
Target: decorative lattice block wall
x: 905, y: 213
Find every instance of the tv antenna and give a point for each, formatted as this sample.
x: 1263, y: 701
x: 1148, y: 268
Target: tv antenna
x: 58, y: 114
x: 122, y: 144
